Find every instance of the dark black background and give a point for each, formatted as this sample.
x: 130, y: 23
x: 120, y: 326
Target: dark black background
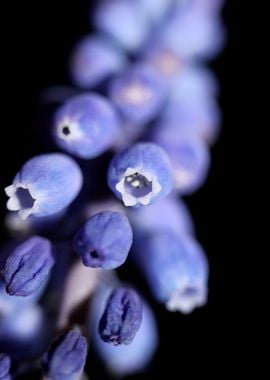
x: 37, y: 40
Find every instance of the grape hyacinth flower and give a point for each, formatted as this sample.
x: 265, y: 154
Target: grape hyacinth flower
x: 197, y: 115
x: 123, y: 20
x: 169, y: 213
x: 122, y: 317
x: 123, y: 360
x: 193, y: 34
x: 208, y: 6
x: 166, y: 62
x: 158, y: 11
x: 189, y: 156
x: 24, y: 333
x: 12, y: 304
x: 94, y: 59
x: 85, y: 126
x: 66, y: 357
x: 176, y: 269
x: 45, y: 185
x: 141, y: 174
x: 138, y: 92
x: 194, y: 82
x: 28, y: 266
x: 5, y: 364
x: 147, y: 128
x: 104, y: 241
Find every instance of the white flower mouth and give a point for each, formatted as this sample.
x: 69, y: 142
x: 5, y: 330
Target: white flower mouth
x: 21, y: 199
x: 137, y: 187
x: 135, y: 93
x: 68, y: 130
x: 187, y: 298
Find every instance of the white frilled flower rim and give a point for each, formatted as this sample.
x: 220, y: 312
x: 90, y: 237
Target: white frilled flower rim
x: 130, y: 199
x: 14, y: 203
x: 187, y: 297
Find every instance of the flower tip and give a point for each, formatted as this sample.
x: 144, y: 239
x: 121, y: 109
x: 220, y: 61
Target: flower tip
x: 9, y: 190
x: 187, y: 300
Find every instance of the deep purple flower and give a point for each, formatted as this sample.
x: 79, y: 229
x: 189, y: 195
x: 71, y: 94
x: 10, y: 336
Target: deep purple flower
x: 28, y: 267
x: 86, y: 125
x: 122, y: 317
x: 66, y: 357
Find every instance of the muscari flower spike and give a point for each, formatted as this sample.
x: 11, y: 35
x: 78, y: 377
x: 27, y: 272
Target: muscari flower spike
x: 45, y: 185
x: 176, y: 269
x: 94, y: 59
x: 122, y: 317
x: 141, y: 174
x: 66, y: 357
x: 85, y: 126
x: 28, y: 266
x: 104, y: 240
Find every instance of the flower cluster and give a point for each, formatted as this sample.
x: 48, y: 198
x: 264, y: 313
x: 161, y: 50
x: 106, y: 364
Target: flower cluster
x: 144, y: 107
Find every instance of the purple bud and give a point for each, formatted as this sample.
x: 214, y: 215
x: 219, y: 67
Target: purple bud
x: 104, y: 241
x: 66, y: 357
x: 28, y: 267
x: 122, y: 317
x: 124, y: 360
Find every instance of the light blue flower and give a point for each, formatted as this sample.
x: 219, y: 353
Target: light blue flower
x: 5, y: 364
x: 94, y: 59
x: 45, y: 185
x: 189, y: 156
x: 24, y: 333
x: 139, y: 93
x: 86, y: 125
x: 192, y: 33
x: 168, y: 213
x: 175, y: 268
x: 123, y: 20
x: 66, y: 357
x: 141, y: 174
